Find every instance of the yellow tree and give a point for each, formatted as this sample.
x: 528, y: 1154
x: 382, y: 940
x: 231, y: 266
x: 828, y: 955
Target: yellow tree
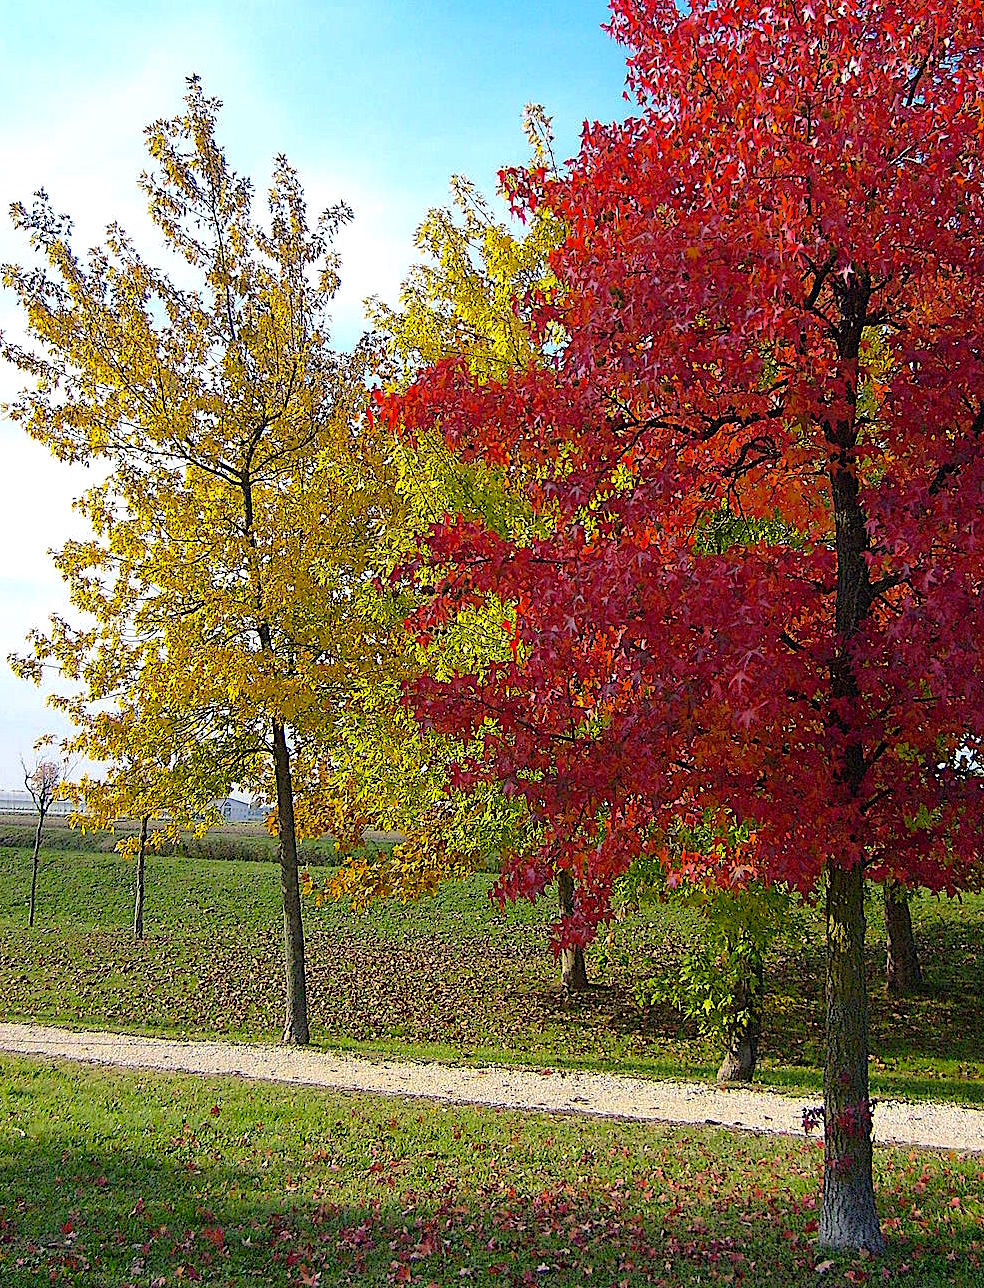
x: 234, y: 532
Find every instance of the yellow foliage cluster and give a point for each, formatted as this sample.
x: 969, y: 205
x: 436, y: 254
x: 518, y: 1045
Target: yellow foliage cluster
x: 230, y: 630
x: 223, y: 595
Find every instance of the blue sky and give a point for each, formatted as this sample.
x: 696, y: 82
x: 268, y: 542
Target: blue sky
x: 376, y: 103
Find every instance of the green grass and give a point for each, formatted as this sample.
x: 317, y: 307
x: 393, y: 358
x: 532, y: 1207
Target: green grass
x: 111, y: 1180
x: 451, y: 978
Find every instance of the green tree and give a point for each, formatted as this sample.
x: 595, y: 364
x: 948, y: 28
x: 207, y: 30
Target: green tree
x: 468, y: 299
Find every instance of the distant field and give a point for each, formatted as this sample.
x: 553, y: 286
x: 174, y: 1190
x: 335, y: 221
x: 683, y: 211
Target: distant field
x: 246, y: 841
x: 111, y: 1179
x: 450, y: 977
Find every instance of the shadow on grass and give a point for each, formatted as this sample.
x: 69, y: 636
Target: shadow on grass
x: 934, y: 1037
x: 945, y: 1017
x: 110, y: 1179
x: 92, y: 1216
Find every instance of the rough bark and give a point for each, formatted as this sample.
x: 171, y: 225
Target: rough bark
x: 138, y: 901
x: 296, y: 1030
x: 741, y: 1048
x: 34, y: 866
x: 848, y: 1216
x: 573, y: 973
x: 902, y: 970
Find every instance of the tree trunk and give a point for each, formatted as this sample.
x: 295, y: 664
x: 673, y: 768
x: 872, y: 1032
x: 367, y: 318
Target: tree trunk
x: 34, y: 867
x: 848, y: 1217
x: 296, y: 1031
x: 741, y: 1050
x: 902, y: 971
x: 138, y: 902
x: 296, y: 1027
x: 573, y: 973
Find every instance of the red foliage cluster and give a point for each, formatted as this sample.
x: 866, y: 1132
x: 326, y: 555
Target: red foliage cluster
x: 772, y: 315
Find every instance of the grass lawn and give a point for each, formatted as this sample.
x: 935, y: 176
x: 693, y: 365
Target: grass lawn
x: 452, y: 978
x: 110, y: 1179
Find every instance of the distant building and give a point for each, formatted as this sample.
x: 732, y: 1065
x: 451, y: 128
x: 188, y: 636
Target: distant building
x: 235, y: 810
x: 18, y: 801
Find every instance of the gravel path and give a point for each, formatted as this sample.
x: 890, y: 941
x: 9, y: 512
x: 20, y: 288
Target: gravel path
x: 936, y: 1126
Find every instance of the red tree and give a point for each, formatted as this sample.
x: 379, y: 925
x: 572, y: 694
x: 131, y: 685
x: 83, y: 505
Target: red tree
x: 769, y: 328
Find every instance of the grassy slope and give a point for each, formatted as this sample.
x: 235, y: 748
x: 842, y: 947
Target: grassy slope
x: 116, y: 1180
x: 450, y: 977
